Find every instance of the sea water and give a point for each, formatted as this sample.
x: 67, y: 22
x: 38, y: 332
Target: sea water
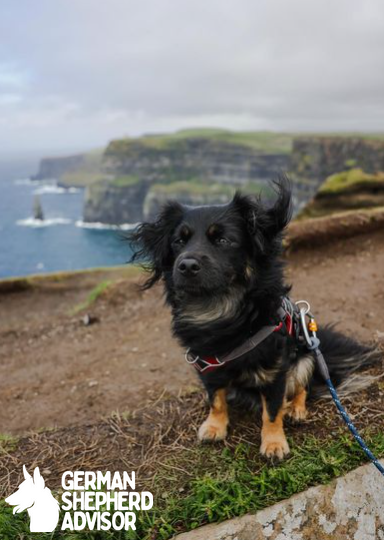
x: 62, y: 241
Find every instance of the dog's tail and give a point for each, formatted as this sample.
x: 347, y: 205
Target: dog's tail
x: 344, y: 357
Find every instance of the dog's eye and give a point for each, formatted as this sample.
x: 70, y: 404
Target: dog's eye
x: 222, y: 241
x: 179, y: 242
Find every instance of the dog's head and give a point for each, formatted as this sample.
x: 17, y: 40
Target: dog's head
x: 206, y: 251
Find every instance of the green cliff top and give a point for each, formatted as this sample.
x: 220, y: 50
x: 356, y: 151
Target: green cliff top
x: 351, y: 180
x: 125, y: 181
x: 263, y: 141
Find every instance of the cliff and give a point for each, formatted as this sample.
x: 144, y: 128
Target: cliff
x: 209, y: 159
x: 116, y: 201
x: 54, y: 168
x: 314, y: 159
x: 72, y: 171
x: 196, y: 194
x: 195, y: 167
x: 132, y: 178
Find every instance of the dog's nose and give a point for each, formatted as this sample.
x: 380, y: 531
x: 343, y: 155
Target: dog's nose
x: 189, y: 267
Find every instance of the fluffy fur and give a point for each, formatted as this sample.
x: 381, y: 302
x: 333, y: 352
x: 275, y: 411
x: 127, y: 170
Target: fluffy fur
x: 223, y: 275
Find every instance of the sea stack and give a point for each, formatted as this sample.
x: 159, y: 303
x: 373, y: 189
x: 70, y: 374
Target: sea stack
x: 37, y: 209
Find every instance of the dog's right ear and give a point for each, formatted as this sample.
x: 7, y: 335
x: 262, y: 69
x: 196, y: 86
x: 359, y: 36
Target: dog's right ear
x: 151, y: 242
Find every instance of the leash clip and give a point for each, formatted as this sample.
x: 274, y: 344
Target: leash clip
x: 312, y: 341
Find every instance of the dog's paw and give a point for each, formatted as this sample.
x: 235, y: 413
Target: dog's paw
x: 212, y: 430
x: 275, y: 448
x: 297, y: 413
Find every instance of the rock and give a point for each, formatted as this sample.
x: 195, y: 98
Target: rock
x: 351, y: 507
x: 88, y: 319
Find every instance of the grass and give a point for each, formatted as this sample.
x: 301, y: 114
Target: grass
x: 126, y: 181
x: 221, y: 484
x: 351, y: 180
x: 8, y: 443
x: 95, y: 293
x: 262, y: 141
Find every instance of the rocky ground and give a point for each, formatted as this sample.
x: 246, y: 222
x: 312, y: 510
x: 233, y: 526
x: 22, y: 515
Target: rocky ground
x: 56, y: 370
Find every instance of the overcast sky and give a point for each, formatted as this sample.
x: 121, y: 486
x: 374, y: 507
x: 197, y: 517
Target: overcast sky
x: 76, y: 73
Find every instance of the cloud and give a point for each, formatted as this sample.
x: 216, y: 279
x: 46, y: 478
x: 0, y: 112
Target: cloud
x: 79, y: 73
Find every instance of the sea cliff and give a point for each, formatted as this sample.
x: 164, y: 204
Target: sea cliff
x: 132, y: 178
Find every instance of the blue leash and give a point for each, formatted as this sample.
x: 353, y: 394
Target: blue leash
x: 313, y: 344
x: 363, y: 445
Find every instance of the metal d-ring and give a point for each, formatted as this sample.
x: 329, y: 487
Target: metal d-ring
x: 187, y: 359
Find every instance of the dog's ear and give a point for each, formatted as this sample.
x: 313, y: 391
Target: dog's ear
x: 266, y: 224
x: 38, y: 480
x: 278, y: 217
x: 151, y: 242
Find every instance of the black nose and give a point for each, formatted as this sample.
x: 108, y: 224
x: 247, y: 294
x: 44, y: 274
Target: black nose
x: 189, y: 267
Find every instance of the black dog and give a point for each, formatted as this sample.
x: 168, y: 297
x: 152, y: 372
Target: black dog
x: 223, y: 277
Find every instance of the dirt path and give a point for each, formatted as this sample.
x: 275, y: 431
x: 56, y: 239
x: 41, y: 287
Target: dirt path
x: 56, y: 371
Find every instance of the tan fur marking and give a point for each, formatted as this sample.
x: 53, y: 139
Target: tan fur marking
x: 297, y: 409
x: 215, y: 426
x: 273, y: 440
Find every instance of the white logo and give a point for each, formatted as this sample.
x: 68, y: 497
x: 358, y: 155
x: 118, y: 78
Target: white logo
x: 93, y: 500
x: 33, y: 496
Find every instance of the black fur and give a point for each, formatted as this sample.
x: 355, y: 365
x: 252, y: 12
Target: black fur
x: 235, y: 291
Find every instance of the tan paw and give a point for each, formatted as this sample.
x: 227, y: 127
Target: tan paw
x: 275, y: 448
x: 212, y: 430
x: 297, y: 413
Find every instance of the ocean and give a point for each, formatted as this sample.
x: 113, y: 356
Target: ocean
x: 62, y: 241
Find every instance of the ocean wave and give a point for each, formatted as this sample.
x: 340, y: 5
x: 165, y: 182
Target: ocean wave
x: 30, y: 182
x: 38, y: 223
x: 105, y: 226
x: 23, y: 182
x: 53, y: 189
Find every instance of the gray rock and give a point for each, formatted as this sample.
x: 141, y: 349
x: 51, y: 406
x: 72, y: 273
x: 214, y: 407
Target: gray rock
x: 349, y: 508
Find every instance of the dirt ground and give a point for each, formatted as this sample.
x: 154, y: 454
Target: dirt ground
x: 56, y: 371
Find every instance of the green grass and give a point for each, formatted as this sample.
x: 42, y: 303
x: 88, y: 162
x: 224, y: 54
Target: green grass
x: 126, y: 181
x: 92, y: 296
x: 351, y: 180
x: 220, y: 485
x: 262, y: 141
x: 8, y: 443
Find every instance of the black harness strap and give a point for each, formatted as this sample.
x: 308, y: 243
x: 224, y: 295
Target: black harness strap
x: 209, y: 363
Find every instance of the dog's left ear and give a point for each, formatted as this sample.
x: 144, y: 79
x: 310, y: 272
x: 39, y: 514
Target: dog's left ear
x: 278, y: 217
x: 265, y: 224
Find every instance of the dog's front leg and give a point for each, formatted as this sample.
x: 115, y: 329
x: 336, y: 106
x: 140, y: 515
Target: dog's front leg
x: 214, y: 428
x: 273, y: 440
